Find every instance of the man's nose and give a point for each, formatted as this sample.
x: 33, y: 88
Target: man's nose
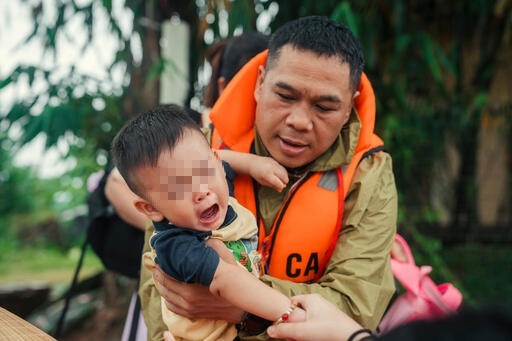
x: 299, y: 118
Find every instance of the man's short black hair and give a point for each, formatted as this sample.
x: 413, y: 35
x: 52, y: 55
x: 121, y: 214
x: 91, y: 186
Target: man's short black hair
x: 322, y: 36
x: 141, y: 140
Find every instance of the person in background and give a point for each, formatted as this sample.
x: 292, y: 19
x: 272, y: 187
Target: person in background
x: 227, y: 57
x: 307, y: 105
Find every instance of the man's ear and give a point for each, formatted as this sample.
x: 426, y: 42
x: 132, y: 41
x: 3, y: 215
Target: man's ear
x: 149, y: 210
x: 347, y: 114
x: 259, y: 82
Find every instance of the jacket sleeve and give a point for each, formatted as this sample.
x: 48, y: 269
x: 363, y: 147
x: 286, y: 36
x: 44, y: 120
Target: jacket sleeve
x: 149, y: 297
x: 358, y: 277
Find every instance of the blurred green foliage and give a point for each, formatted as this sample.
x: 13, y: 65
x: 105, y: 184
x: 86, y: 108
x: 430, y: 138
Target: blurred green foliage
x: 45, y: 264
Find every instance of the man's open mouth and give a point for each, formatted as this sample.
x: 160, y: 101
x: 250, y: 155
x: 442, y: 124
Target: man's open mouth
x: 291, y: 146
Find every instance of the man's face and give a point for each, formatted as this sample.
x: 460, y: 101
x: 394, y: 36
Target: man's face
x: 303, y: 101
x: 187, y: 186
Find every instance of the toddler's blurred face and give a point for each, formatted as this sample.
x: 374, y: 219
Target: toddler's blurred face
x: 188, y: 185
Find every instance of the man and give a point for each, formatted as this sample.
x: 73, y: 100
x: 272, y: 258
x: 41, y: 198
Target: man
x: 330, y: 231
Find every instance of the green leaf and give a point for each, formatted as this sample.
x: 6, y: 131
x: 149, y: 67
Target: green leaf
x: 480, y: 101
x: 31, y: 35
x: 31, y: 72
x: 240, y: 15
x: 343, y: 13
x: 107, y: 4
x: 49, y: 42
x: 429, y: 56
x: 402, y: 42
x: 6, y: 81
x: 60, y: 22
x: 32, y: 128
x: 156, y: 69
x: 18, y: 111
x: 160, y: 65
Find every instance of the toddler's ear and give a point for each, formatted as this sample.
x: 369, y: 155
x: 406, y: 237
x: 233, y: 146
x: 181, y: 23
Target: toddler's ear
x: 149, y: 210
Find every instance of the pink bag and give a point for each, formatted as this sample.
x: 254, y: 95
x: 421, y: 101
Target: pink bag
x: 423, y: 299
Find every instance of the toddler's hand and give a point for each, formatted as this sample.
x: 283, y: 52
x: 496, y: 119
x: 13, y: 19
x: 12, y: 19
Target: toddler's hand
x: 268, y: 172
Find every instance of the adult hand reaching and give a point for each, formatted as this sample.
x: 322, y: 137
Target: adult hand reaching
x: 324, y: 322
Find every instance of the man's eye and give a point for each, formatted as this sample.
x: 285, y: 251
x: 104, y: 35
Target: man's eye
x: 285, y: 96
x: 323, y: 108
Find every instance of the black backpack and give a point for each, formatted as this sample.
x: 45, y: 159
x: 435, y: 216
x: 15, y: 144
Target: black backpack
x: 117, y: 243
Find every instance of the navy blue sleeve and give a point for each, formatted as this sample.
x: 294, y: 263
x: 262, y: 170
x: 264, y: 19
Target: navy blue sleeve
x: 230, y: 177
x: 185, y: 257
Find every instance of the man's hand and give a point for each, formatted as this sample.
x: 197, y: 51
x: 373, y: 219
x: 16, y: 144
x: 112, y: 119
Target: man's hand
x: 193, y: 300
x: 168, y: 336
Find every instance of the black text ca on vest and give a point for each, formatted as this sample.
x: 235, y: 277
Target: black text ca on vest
x: 297, y: 264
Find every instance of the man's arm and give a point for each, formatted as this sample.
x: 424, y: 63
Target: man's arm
x: 358, y: 278
x: 194, y: 300
x: 149, y: 296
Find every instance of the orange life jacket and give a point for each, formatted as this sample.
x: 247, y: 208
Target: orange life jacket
x: 306, y: 228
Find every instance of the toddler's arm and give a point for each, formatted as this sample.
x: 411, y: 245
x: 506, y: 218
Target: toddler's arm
x: 265, y: 170
x: 247, y: 292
